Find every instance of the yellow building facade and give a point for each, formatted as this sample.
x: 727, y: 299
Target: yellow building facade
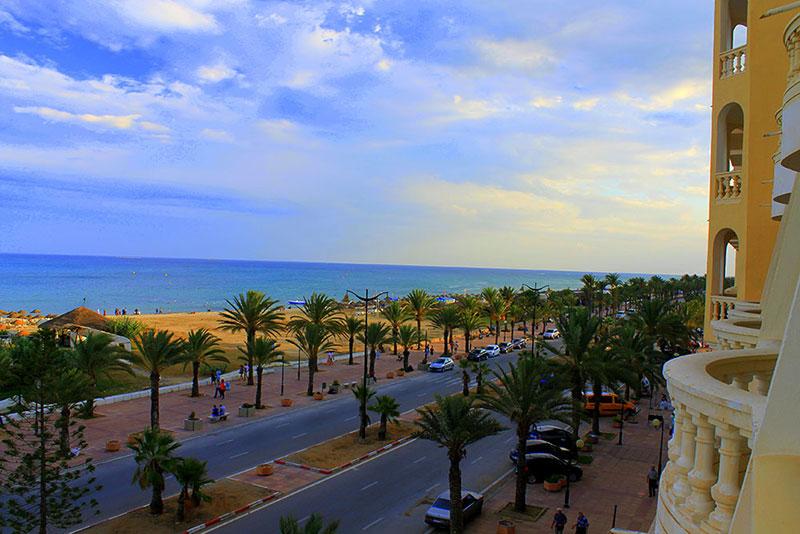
x: 734, y: 457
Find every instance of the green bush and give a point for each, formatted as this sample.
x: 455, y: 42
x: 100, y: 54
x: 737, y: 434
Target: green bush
x: 584, y: 459
x: 125, y: 326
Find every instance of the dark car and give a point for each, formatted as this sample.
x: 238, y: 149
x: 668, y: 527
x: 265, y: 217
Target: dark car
x: 519, y: 343
x: 477, y: 355
x: 542, y: 465
x: 506, y: 347
x: 438, y: 514
x: 559, y: 434
x: 534, y: 446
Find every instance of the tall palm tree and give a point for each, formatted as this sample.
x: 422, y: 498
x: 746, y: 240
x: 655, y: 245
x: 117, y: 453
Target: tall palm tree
x: 66, y: 391
x: 350, y: 328
x: 396, y: 313
x: 97, y: 356
x: 155, y: 351
x: 470, y: 321
x: 496, y: 309
x: 152, y: 452
x: 528, y: 392
x: 363, y: 393
x: 252, y: 313
x: 637, y: 351
x: 578, y: 329
x: 389, y: 410
x: 321, y: 310
x: 658, y: 319
x: 201, y: 348
x: 190, y: 473
x: 314, y: 525
x: 466, y: 366
x: 311, y: 340
x: 264, y: 352
x: 455, y: 422
x: 421, y: 304
x: 406, y: 336
x: 378, y: 333
x: 603, y: 367
x: 447, y: 318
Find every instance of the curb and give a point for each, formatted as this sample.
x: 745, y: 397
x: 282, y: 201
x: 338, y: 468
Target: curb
x: 331, y: 470
x: 228, y: 515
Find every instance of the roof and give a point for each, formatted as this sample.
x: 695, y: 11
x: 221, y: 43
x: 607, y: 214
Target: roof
x: 80, y: 316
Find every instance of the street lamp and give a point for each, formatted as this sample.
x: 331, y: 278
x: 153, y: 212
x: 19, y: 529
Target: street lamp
x: 578, y: 445
x: 536, y: 290
x: 366, y: 299
x: 658, y: 421
x: 283, y: 370
x: 298, y: 363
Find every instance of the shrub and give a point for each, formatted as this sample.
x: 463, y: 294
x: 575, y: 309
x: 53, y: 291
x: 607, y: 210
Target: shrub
x: 125, y: 326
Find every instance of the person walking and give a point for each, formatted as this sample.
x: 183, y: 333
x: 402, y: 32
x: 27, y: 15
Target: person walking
x: 652, y: 481
x: 222, y: 388
x: 581, y: 526
x: 559, y: 522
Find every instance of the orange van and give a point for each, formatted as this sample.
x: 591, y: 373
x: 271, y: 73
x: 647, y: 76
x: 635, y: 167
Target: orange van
x: 610, y: 404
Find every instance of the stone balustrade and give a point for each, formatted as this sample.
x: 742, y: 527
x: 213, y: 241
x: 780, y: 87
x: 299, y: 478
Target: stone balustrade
x: 719, y: 399
x: 728, y: 186
x: 732, y: 62
x: 721, y: 306
x: 736, y: 333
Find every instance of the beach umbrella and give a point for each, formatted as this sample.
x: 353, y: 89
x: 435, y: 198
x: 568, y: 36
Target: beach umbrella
x: 37, y: 310
x: 3, y: 312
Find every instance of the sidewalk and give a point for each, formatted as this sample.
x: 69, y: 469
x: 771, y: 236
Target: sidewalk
x: 616, y: 476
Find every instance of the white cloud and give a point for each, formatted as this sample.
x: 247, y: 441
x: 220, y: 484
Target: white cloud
x: 216, y: 135
x: 384, y: 65
x: 528, y: 56
x: 586, y: 104
x: 119, y: 122
x: 546, y: 101
x: 215, y: 73
x: 670, y: 96
x: 8, y: 20
x: 273, y: 19
x: 165, y: 15
x: 280, y: 130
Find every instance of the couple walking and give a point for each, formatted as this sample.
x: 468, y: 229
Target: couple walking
x: 559, y: 523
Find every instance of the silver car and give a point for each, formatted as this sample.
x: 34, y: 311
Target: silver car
x: 441, y: 365
x: 438, y: 515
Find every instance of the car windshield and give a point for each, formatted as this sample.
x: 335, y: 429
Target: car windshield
x: 441, y: 360
x: 442, y: 504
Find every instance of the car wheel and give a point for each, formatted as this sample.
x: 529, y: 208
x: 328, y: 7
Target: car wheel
x: 573, y: 477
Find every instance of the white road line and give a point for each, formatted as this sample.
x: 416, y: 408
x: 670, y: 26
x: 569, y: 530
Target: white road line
x: 351, y: 418
x: 509, y: 440
x: 225, y: 442
x: 429, y: 489
x: 476, y: 460
x: 300, y: 435
x: 418, y: 460
x: 306, y: 518
x: 368, y: 486
x: 238, y: 455
x: 373, y: 523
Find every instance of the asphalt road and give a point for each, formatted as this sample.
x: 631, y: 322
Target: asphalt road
x: 235, y: 449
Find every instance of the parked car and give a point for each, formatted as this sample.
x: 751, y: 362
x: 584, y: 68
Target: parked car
x: 441, y: 365
x: 506, y: 347
x: 551, y: 333
x: 533, y: 446
x: 492, y: 350
x: 555, y: 432
x: 610, y: 404
x: 519, y: 343
x: 477, y: 355
x: 438, y: 515
x: 620, y: 315
x: 542, y: 465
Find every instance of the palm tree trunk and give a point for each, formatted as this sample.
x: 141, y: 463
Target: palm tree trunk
x: 351, y: 342
x: 511, y: 336
x: 446, y: 335
x: 394, y: 338
x: 456, y: 507
x: 523, y: 428
x: 42, y: 468
x: 251, y: 337
x: 259, y: 372
x: 362, y: 414
x: 372, y: 355
x: 597, y: 388
x: 311, y: 369
x: 405, y: 358
x: 156, y: 503
x: 182, y: 505
x: 63, y: 439
x: 465, y: 382
x: 382, y: 429
x: 419, y: 332
x: 479, y: 381
x: 195, y: 379
x: 577, y: 403
x: 154, y: 380
x: 496, y: 331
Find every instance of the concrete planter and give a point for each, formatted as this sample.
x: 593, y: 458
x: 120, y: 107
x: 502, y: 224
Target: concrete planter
x: 286, y: 403
x: 247, y: 411
x: 193, y: 425
x: 401, y: 373
x: 264, y: 470
x: 554, y: 486
x: 113, y: 445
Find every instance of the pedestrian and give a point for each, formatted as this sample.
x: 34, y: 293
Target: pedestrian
x: 581, y: 526
x: 222, y: 388
x: 241, y: 373
x: 427, y: 352
x: 652, y: 481
x: 559, y: 522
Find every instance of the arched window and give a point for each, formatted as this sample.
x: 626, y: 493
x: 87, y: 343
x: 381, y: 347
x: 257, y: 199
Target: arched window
x: 730, y: 138
x: 723, y: 275
x: 733, y: 24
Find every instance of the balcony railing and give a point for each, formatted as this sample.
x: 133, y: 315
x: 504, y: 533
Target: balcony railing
x: 728, y: 186
x: 719, y: 400
x: 736, y: 333
x: 721, y: 306
x: 732, y: 62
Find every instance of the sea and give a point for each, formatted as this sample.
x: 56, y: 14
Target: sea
x: 56, y: 284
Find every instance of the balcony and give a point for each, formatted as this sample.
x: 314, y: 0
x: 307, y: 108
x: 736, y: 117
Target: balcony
x: 728, y: 186
x: 719, y: 399
x: 732, y: 62
x: 790, y: 112
x: 736, y: 333
x: 721, y: 306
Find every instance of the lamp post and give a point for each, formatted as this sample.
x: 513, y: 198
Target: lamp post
x: 366, y: 299
x: 536, y: 291
x: 658, y: 421
x: 621, y: 415
x: 298, y: 364
x: 283, y: 370
x: 578, y: 445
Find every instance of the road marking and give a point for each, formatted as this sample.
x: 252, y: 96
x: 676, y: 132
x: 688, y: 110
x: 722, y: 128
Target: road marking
x: 429, y: 489
x: 418, y: 460
x: 351, y: 418
x: 476, y: 460
x: 306, y: 518
x: 238, y: 455
x: 369, y: 485
x: 225, y: 442
x: 373, y: 523
x: 300, y: 435
x: 509, y: 440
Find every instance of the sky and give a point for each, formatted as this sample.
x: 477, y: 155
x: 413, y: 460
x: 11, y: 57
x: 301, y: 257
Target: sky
x: 524, y: 134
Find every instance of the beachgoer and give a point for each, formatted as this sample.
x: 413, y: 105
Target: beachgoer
x: 427, y: 352
x: 214, y: 411
x: 223, y: 386
x: 581, y: 526
x: 559, y: 521
x: 241, y: 373
x: 652, y: 481
x: 222, y: 411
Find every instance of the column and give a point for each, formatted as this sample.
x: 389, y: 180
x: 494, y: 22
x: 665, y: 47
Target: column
x: 680, y: 489
x: 702, y: 476
x: 726, y: 491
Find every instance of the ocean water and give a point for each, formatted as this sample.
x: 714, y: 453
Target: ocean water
x: 55, y: 284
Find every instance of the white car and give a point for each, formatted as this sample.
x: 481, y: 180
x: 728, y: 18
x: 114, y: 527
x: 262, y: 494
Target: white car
x: 551, y: 333
x: 619, y: 315
x: 492, y: 350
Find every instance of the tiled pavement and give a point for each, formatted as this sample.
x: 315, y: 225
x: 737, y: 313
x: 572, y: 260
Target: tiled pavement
x: 284, y: 479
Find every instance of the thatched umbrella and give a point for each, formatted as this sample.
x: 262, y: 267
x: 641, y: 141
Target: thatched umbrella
x: 3, y: 312
x: 37, y: 310
x: 79, y: 316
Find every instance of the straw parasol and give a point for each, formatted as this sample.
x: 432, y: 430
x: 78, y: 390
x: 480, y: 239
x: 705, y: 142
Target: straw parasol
x: 80, y: 316
x: 37, y: 310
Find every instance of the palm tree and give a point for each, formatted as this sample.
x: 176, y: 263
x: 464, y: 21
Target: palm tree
x: 589, y: 290
x: 67, y: 390
x: 97, y: 356
x: 315, y: 525
x: 252, y: 313
x: 466, y: 366
x: 528, y: 392
x: 201, y: 348
x: 447, y: 318
x: 578, y: 329
x: 190, y: 473
x: 351, y: 326
x: 155, y: 351
x: 321, y: 310
x: 480, y: 369
x: 389, y: 410
x: 311, y: 340
x: 470, y: 321
x: 396, y: 313
x: 658, y: 319
x: 264, y: 353
x: 637, y: 352
x: 496, y: 309
x: 421, y: 304
x: 152, y: 452
x: 378, y: 333
x: 406, y: 336
x: 603, y: 367
x: 455, y: 422
x: 363, y: 393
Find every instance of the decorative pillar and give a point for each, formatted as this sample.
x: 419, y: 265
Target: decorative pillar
x: 759, y: 385
x: 702, y: 476
x: 673, y: 451
x: 726, y: 491
x: 680, y: 488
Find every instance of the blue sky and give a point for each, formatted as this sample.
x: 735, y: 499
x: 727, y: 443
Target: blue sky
x: 560, y: 135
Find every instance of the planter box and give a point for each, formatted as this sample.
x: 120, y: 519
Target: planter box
x: 264, y: 470
x: 401, y: 373
x: 132, y: 437
x: 247, y: 411
x: 504, y: 526
x: 318, y: 396
x: 113, y: 445
x: 553, y: 486
x: 591, y: 438
x: 390, y: 374
x: 286, y: 403
x: 192, y: 425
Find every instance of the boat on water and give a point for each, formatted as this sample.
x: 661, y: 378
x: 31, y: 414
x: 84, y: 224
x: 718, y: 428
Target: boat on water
x: 296, y: 303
